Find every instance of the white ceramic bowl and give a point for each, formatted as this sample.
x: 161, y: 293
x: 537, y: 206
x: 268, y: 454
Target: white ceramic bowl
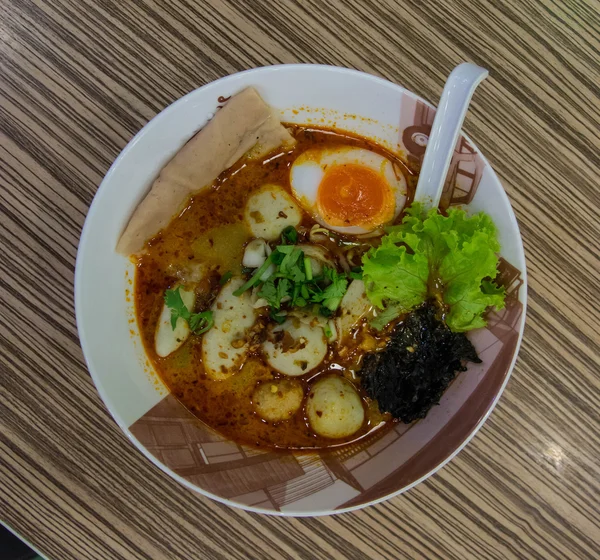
x: 161, y: 428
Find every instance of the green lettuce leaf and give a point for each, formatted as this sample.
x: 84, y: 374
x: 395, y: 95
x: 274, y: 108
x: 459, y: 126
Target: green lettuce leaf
x: 384, y: 317
x: 392, y: 273
x: 452, y: 258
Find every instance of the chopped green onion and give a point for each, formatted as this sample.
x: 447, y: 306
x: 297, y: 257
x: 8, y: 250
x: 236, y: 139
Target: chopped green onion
x: 308, y: 268
x: 332, y: 303
x: 291, y: 281
x: 201, y: 322
x: 225, y: 278
x: 255, y: 279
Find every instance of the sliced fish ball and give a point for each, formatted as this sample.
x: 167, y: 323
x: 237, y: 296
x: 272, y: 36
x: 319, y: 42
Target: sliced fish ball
x: 354, y: 306
x: 269, y: 210
x: 334, y: 408
x: 300, y: 349
x: 278, y: 400
x: 314, y: 320
x: 167, y: 340
x: 224, y: 347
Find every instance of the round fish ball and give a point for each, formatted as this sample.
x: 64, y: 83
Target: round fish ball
x: 278, y: 400
x: 334, y: 408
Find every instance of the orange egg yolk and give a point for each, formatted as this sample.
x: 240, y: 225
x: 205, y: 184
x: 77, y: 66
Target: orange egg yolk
x: 354, y: 195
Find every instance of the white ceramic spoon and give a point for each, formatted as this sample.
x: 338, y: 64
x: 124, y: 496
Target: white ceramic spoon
x: 446, y: 127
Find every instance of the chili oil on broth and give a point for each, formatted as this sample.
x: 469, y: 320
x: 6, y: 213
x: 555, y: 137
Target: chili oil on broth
x: 211, y: 229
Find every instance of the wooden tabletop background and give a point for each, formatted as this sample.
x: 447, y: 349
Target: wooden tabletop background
x: 80, y: 77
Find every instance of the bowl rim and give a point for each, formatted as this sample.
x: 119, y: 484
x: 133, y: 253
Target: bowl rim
x: 97, y: 377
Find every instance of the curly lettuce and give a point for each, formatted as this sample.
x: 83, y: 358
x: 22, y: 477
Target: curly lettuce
x: 451, y: 258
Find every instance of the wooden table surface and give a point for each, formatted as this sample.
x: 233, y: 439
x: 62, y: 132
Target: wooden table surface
x: 80, y: 77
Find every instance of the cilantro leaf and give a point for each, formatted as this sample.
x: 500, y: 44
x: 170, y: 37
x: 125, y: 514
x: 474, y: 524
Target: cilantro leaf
x: 274, y: 290
x: 289, y: 265
x: 332, y: 295
x: 285, y: 249
x: 268, y: 291
x: 451, y: 257
x: 198, y: 322
x: 178, y: 309
x: 278, y: 318
x: 289, y: 235
x: 283, y: 289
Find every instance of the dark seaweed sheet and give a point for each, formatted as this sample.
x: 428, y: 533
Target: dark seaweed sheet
x: 423, y: 356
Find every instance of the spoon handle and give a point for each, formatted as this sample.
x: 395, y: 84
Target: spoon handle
x: 446, y: 127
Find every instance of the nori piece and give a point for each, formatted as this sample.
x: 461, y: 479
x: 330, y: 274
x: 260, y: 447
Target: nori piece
x: 421, y: 359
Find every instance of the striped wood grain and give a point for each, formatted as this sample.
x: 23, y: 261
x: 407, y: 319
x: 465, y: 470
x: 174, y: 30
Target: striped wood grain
x: 79, y: 77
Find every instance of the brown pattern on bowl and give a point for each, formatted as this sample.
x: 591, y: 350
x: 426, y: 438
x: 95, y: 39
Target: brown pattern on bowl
x: 387, y: 462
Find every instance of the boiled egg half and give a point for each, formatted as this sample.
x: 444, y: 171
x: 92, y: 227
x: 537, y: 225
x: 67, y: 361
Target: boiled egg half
x: 350, y: 190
